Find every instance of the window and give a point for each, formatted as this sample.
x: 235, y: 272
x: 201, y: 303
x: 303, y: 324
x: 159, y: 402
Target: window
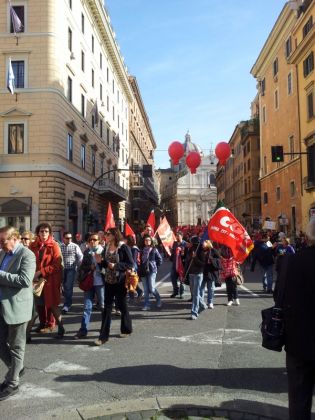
x: 118, y: 122
x: 289, y: 83
x: 93, y: 121
x: 122, y: 128
x: 69, y: 89
x: 82, y: 23
x: 18, y: 68
x: 136, y: 215
x: 263, y: 87
x: 310, y: 105
x: 70, y: 39
x: 113, y: 83
x: 82, y: 61
x: 275, y: 67
x: 107, y: 103
x: 276, y: 99
x: 92, y: 44
x: 107, y: 74
x: 102, y: 166
x: 248, y: 164
x: 288, y: 47
x: 311, y: 165
x: 101, y: 91
x: 92, y: 77
x: 278, y: 194
x: 15, y: 139
x: 117, y: 96
x: 93, y: 163
x: 107, y: 135
x: 70, y: 147
x: 101, y: 61
x: 264, y: 113
x: 82, y: 105
x: 70, y: 4
x: 83, y: 156
x: 308, y: 64
x: 101, y: 128
x: 113, y: 113
x: 292, y: 189
x: 265, y: 198
x: 18, y: 25
x: 211, y: 180
x: 308, y: 26
x: 291, y: 147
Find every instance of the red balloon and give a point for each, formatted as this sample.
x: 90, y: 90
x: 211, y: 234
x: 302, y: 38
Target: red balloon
x: 176, y: 151
x: 223, y: 152
x: 193, y: 160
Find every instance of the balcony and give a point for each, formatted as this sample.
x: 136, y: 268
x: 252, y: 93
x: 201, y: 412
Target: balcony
x: 112, y: 190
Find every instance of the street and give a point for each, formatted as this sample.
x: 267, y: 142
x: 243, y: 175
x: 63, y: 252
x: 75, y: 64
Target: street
x: 168, y: 355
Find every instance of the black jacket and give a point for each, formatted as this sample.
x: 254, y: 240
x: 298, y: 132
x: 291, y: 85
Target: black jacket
x: 195, y: 265
x: 125, y: 261
x: 297, y: 282
x: 212, y: 265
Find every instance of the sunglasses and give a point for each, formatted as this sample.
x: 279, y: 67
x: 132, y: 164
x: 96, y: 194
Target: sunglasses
x: 44, y: 230
x: 26, y: 239
x: 94, y: 239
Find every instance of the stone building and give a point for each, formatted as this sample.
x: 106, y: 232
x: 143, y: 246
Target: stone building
x: 67, y: 122
x: 189, y: 199
x: 280, y: 182
x: 301, y: 54
x: 143, y: 194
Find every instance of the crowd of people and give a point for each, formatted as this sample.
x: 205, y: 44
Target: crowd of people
x: 101, y: 264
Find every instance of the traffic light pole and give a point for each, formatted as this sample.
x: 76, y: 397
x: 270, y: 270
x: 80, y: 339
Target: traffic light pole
x: 147, y: 173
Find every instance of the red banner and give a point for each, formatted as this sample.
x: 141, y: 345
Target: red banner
x: 110, y: 221
x: 166, y: 235
x: 151, y: 220
x: 224, y: 228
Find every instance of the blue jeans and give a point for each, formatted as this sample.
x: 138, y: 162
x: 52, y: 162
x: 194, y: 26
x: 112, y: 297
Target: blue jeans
x: 88, y: 305
x: 195, y: 281
x: 210, y: 287
x: 267, y: 279
x: 68, y: 282
x: 149, y: 287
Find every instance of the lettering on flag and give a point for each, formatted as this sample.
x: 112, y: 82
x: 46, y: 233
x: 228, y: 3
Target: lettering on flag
x: 166, y: 235
x: 225, y: 229
x: 10, y: 78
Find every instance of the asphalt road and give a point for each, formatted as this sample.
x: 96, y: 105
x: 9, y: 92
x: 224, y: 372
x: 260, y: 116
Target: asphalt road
x: 167, y: 355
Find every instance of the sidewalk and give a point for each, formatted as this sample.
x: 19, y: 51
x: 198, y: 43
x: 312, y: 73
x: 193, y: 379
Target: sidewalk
x: 215, y: 406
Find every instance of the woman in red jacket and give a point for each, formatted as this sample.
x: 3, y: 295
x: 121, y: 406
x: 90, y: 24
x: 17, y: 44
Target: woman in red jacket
x: 49, y: 267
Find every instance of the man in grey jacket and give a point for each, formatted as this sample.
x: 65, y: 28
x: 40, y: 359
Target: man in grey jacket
x: 17, y: 269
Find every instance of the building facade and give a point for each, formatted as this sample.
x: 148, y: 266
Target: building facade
x: 144, y: 192
x: 67, y: 122
x: 302, y: 57
x: 280, y: 182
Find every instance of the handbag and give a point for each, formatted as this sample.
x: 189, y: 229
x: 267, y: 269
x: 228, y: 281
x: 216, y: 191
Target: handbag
x: 38, y: 286
x: 272, y: 328
x: 131, y: 281
x: 87, y: 283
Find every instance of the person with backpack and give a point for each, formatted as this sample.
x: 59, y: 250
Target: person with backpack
x: 150, y: 260
x: 210, y: 272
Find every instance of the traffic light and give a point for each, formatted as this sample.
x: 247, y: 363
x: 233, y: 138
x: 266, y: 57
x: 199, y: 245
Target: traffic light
x: 277, y: 153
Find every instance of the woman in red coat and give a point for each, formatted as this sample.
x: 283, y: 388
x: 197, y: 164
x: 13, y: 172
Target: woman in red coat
x: 49, y: 267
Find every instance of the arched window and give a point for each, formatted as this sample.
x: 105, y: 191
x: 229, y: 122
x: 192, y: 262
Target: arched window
x: 211, y: 179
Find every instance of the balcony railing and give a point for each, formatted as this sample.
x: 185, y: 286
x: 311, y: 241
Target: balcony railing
x: 109, y: 186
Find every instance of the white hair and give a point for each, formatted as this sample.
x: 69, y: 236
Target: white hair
x: 310, y: 230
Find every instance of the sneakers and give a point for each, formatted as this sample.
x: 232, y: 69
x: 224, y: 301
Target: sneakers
x: 122, y: 335
x: 99, y: 342
x: 159, y: 305
x: 210, y: 306
x: 237, y: 302
x: 194, y: 317
x: 146, y: 308
x: 7, y: 391
x: 230, y: 303
x: 65, y: 310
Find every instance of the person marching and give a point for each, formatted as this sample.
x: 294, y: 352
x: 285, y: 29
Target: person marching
x: 228, y: 274
x: 211, y: 272
x: 177, y: 257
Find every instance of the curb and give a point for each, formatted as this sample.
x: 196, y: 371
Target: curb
x: 236, y: 406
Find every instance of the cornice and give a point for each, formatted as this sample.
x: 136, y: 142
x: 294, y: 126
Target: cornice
x: 303, y: 47
x: 285, y: 21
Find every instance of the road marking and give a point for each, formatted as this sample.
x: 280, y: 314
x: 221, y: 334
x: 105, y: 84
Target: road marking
x: 90, y: 348
x: 62, y: 366
x: 249, y: 291
x: 220, y: 336
x: 162, y: 280
x: 29, y: 391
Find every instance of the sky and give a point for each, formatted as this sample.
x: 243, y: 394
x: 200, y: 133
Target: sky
x: 192, y: 60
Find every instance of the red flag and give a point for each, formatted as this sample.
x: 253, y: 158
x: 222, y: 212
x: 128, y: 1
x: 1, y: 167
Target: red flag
x: 151, y: 220
x: 166, y: 235
x: 179, y: 263
x: 129, y: 231
x: 110, y: 222
x: 224, y: 228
